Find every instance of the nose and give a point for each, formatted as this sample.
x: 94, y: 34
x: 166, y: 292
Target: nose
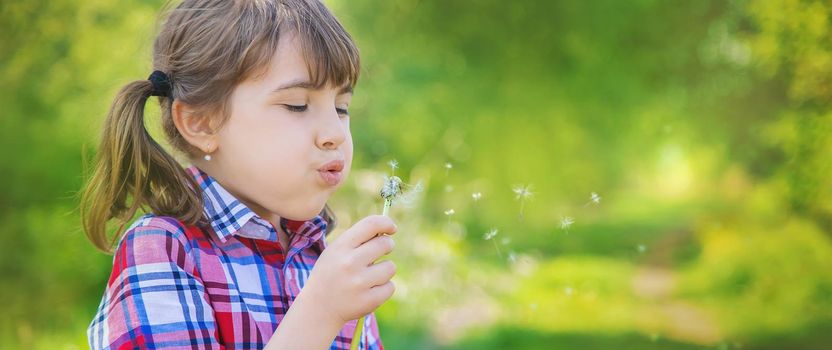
x: 333, y: 131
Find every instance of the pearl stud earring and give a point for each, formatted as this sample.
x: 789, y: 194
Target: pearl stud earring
x: 207, y: 157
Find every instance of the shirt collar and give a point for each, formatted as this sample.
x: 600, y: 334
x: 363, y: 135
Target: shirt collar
x: 228, y: 216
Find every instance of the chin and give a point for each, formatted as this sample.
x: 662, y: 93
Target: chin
x: 305, y: 214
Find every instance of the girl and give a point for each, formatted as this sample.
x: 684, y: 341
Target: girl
x: 255, y: 94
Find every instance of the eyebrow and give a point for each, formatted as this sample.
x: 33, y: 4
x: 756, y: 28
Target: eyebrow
x: 305, y: 84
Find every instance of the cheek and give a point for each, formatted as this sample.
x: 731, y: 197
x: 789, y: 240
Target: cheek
x: 264, y: 142
x: 347, y: 148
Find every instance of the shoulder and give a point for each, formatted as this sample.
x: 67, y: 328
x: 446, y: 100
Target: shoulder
x: 155, y: 239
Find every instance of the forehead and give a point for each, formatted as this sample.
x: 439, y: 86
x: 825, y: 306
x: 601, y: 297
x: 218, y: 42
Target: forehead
x: 288, y: 68
x: 287, y: 62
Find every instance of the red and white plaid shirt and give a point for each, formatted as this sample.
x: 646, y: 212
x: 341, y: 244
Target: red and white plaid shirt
x: 224, y: 286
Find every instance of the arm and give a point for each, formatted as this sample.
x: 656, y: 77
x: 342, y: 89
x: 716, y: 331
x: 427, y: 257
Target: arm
x: 153, y: 299
x: 293, y: 331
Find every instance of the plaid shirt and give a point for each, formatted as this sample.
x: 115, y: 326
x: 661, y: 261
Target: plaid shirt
x: 226, y: 286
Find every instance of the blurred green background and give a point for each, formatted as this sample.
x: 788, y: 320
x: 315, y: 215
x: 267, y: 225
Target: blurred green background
x: 704, y: 127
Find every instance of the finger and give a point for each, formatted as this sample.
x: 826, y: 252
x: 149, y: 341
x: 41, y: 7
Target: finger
x: 368, y: 228
x: 380, y: 294
x: 379, y: 273
x: 375, y: 248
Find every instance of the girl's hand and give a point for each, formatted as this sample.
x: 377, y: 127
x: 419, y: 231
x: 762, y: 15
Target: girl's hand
x: 345, y: 281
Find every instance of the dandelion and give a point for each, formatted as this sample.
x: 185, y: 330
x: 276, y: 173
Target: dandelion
x: 448, y: 167
x: 565, y: 223
x: 476, y: 196
x: 522, y: 193
x: 489, y: 237
x: 392, y: 188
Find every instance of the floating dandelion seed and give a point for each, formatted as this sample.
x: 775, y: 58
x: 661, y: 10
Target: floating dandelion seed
x: 449, y: 213
x: 449, y: 188
x: 522, y: 193
x: 512, y: 257
x: 476, y: 196
x: 594, y: 198
x: 393, y: 166
x: 505, y: 240
x: 642, y: 248
x: 489, y: 237
x: 448, y: 167
x: 490, y: 234
x: 565, y: 223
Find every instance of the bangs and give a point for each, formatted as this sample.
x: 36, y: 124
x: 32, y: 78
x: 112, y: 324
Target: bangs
x: 329, y: 52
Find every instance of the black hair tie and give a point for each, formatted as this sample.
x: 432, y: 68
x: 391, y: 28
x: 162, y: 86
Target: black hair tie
x: 160, y: 82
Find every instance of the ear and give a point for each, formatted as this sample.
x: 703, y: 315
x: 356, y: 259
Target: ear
x: 195, y: 127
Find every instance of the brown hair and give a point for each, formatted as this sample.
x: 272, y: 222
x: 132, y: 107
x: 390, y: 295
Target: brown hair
x: 206, y: 48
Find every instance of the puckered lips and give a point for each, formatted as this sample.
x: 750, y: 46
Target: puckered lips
x: 332, y: 172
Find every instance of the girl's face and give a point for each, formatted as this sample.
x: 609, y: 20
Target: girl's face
x: 286, y: 146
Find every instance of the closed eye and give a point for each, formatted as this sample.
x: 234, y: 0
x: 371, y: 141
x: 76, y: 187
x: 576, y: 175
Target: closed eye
x: 294, y: 108
x: 303, y: 108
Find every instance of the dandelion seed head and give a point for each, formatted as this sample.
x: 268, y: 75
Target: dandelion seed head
x: 449, y: 212
x: 490, y: 234
x: 392, y: 187
x: 566, y: 222
x: 476, y: 196
x: 522, y: 192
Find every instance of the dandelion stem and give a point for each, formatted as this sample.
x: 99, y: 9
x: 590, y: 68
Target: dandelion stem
x: 356, y: 337
x: 522, y: 202
x: 391, y: 189
x: 500, y: 254
x: 386, y: 210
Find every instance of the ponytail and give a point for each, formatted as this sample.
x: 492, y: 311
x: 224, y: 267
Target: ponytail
x: 133, y: 172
